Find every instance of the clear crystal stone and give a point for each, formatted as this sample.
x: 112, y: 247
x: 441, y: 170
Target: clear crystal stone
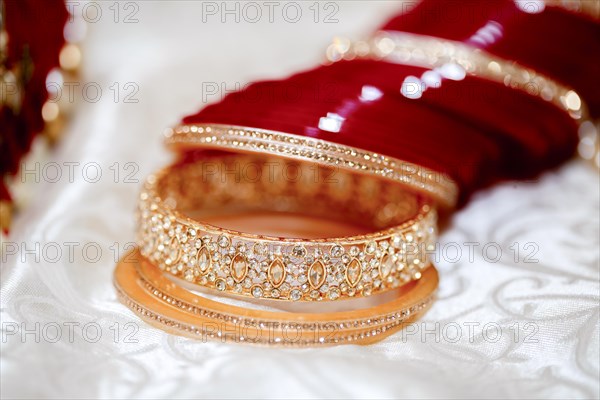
x: 299, y: 251
x: 334, y: 293
x: 223, y: 241
x: 259, y: 248
x: 371, y: 247
x: 295, y: 294
x: 257, y: 291
x: 285, y: 287
x: 336, y: 251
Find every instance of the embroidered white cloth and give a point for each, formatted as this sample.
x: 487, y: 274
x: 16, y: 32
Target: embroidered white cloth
x: 518, y: 308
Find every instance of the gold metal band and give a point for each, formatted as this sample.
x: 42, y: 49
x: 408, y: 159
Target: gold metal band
x: 403, y: 230
x: 162, y: 303
x: 431, y: 52
x: 320, y: 152
x: 435, y: 53
x: 591, y: 8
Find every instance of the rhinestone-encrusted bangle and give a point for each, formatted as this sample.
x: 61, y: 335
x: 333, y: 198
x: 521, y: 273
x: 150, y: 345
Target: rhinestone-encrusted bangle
x: 275, y: 268
x: 439, y: 187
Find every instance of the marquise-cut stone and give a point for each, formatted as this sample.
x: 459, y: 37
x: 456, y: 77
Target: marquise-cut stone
x: 174, y: 252
x: 386, y: 265
x: 239, y: 268
x: 316, y: 274
x: 276, y: 273
x: 203, y: 260
x: 353, y: 272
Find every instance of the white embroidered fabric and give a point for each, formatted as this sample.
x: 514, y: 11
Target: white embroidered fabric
x: 518, y: 308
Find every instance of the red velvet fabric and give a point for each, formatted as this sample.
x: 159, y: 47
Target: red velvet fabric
x: 478, y: 132
x: 35, y: 31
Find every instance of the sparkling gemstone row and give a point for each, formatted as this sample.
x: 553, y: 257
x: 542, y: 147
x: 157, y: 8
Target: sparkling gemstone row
x: 292, y: 270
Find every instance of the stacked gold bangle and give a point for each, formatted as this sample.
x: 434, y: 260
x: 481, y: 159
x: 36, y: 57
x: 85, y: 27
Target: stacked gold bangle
x: 196, y: 273
x: 326, y: 288
x: 168, y: 306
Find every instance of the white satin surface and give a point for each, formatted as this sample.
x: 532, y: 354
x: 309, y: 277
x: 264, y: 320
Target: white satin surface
x: 508, y: 326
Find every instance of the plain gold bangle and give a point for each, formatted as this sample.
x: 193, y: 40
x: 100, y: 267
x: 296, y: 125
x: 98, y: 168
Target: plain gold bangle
x: 164, y: 304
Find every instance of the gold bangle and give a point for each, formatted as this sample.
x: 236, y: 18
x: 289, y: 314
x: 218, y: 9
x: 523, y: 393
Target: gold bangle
x: 402, y: 230
x: 591, y: 8
x: 430, y: 52
x: 162, y: 303
x: 413, y: 177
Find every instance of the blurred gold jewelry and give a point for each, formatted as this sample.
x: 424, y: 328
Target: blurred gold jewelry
x: 591, y: 8
x: 589, y: 143
x: 457, y: 58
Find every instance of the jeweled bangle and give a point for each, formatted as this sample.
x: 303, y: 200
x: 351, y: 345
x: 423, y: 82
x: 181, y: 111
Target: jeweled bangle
x: 438, y: 187
x: 163, y: 303
x: 431, y: 52
x: 397, y: 229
